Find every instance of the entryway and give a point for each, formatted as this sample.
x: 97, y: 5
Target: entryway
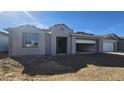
x: 61, y: 45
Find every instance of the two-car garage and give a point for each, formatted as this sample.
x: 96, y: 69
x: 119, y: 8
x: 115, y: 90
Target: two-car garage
x: 85, y: 46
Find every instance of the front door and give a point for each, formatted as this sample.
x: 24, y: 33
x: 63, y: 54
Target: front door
x: 61, y: 45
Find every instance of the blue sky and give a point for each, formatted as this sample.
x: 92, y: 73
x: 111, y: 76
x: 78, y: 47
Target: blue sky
x: 91, y: 22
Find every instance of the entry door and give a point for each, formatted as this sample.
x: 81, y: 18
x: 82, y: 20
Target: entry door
x: 61, y: 45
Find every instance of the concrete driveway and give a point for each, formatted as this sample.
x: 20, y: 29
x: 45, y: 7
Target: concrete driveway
x: 115, y: 53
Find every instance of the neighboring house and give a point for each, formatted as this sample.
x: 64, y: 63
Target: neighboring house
x: 110, y: 42
x: 58, y: 39
x: 3, y: 42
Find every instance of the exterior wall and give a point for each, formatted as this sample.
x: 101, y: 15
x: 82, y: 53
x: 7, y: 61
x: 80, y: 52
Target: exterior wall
x: 73, y: 45
x: 16, y: 36
x: 121, y: 45
x: 48, y: 43
x: 60, y: 31
x: 4, y: 42
x: 100, y: 46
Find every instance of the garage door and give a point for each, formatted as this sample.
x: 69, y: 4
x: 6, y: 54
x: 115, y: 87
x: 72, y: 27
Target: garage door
x: 85, y: 41
x: 108, y: 47
x: 85, y: 46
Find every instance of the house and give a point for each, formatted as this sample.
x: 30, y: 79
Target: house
x: 3, y: 42
x: 58, y: 39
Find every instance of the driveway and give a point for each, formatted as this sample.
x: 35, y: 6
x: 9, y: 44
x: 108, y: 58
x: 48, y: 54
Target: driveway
x: 115, y: 53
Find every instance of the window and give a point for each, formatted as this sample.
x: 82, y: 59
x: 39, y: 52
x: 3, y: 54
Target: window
x: 30, y: 40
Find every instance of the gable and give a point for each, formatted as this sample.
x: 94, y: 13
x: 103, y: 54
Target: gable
x: 111, y: 37
x: 25, y: 29
x: 60, y: 29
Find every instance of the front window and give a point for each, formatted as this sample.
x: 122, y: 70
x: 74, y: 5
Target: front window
x: 30, y: 40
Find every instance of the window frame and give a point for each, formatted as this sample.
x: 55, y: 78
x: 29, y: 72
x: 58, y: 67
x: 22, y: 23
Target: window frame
x: 23, y: 41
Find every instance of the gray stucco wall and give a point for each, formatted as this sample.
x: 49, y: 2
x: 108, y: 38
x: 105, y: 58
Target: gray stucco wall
x: 73, y: 44
x: 48, y: 43
x: 60, y: 31
x: 100, y: 45
x: 16, y: 46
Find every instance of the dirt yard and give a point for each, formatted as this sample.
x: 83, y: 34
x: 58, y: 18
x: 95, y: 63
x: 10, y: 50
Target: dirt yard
x: 79, y: 67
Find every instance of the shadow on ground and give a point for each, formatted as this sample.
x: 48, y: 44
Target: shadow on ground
x: 39, y: 65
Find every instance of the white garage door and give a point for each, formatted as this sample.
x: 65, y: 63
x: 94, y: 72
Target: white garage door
x: 108, y: 47
x: 85, y: 41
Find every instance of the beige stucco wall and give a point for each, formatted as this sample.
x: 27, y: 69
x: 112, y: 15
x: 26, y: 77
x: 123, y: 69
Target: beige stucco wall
x: 16, y: 36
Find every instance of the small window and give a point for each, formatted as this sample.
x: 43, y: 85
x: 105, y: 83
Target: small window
x: 30, y: 40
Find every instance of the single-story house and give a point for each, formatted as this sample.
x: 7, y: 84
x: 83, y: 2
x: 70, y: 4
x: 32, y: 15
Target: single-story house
x: 4, y: 38
x: 58, y: 39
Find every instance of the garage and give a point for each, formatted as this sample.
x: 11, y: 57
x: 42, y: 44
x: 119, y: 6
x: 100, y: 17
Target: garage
x: 85, y: 46
x: 108, y: 46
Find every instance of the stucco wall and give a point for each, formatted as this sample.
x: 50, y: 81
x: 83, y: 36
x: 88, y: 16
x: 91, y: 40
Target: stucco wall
x: 48, y: 43
x: 17, y: 48
x: 47, y: 40
x: 73, y: 44
x: 99, y: 45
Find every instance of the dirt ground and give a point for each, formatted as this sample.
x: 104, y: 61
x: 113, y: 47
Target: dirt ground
x: 69, y: 67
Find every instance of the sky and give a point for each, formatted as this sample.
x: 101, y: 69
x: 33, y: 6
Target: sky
x: 95, y: 22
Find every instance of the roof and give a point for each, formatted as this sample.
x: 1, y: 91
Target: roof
x: 23, y: 26
x: 122, y: 37
x: 60, y: 25
x: 83, y: 33
x: 110, y: 35
x: 86, y: 36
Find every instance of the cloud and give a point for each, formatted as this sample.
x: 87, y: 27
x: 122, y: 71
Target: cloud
x: 1, y: 12
x: 115, y: 27
x: 35, y: 22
